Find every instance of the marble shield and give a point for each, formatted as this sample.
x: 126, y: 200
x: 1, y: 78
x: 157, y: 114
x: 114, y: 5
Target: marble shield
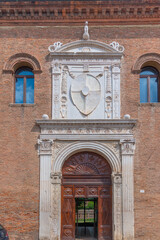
x: 86, y: 93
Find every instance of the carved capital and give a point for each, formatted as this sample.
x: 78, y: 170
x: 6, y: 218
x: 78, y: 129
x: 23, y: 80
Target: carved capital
x: 127, y: 147
x: 45, y: 146
x: 117, y: 178
x: 56, y: 68
x: 56, y: 178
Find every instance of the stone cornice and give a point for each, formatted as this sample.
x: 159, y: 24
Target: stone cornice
x: 60, y: 12
x: 105, y: 124
x: 94, y: 130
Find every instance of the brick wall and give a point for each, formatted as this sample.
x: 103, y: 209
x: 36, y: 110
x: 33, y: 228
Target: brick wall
x: 19, y: 161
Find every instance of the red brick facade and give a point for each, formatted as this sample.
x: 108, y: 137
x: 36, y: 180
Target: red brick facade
x: 139, y: 33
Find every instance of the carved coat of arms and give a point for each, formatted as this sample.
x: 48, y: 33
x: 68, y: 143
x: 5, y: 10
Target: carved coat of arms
x: 86, y: 93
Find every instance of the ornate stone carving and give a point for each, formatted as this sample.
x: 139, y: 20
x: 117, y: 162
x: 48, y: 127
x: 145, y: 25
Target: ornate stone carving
x: 64, y: 93
x: 116, y: 91
x: 56, y: 68
x: 45, y: 146
x: 88, y: 130
x: 86, y: 92
x: 56, y: 91
x: 117, y: 182
x: 56, y: 178
x: 55, y: 46
x: 108, y: 92
x: 55, y: 212
x: 86, y: 70
x: 117, y: 47
x: 86, y: 34
x: 127, y: 147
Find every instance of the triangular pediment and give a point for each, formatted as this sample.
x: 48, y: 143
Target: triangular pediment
x: 86, y: 47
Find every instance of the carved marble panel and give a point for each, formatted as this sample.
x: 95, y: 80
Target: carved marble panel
x: 86, y: 80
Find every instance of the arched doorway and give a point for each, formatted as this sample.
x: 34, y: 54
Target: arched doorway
x: 86, y: 197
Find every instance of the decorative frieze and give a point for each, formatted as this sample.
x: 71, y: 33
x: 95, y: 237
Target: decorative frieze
x: 50, y: 12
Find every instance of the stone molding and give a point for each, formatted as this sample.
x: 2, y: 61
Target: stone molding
x: 106, y: 49
x: 87, y: 146
x: 86, y: 127
x: 21, y: 58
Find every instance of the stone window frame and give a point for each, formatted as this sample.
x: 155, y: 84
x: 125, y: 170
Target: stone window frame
x: 14, y: 63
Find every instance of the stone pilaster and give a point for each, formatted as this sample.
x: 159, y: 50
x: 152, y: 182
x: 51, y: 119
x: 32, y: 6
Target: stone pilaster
x: 56, y: 94
x: 127, y: 151
x: 108, y: 92
x: 116, y: 91
x: 117, y: 206
x: 55, y: 230
x: 45, y: 152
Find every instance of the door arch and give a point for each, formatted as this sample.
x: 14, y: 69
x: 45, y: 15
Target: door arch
x: 86, y: 175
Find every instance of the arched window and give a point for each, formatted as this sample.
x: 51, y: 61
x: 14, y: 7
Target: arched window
x: 24, y: 85
x: 149, y: 85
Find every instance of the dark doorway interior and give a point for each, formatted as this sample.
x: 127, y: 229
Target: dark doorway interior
x: 86, y: 219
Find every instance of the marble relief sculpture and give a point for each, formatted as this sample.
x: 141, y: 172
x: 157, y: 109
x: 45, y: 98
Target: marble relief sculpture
x: 86, y: 93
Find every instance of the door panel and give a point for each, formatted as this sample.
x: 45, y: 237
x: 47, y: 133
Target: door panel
x: 105, y: 213
x: 68, y: 213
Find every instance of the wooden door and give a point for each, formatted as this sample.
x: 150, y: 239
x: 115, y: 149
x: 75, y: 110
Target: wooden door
x: 68, y: 213
x: 86, y: 175
x: 105, y: 213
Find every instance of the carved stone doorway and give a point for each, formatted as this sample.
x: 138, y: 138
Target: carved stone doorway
x: 86, y: 175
